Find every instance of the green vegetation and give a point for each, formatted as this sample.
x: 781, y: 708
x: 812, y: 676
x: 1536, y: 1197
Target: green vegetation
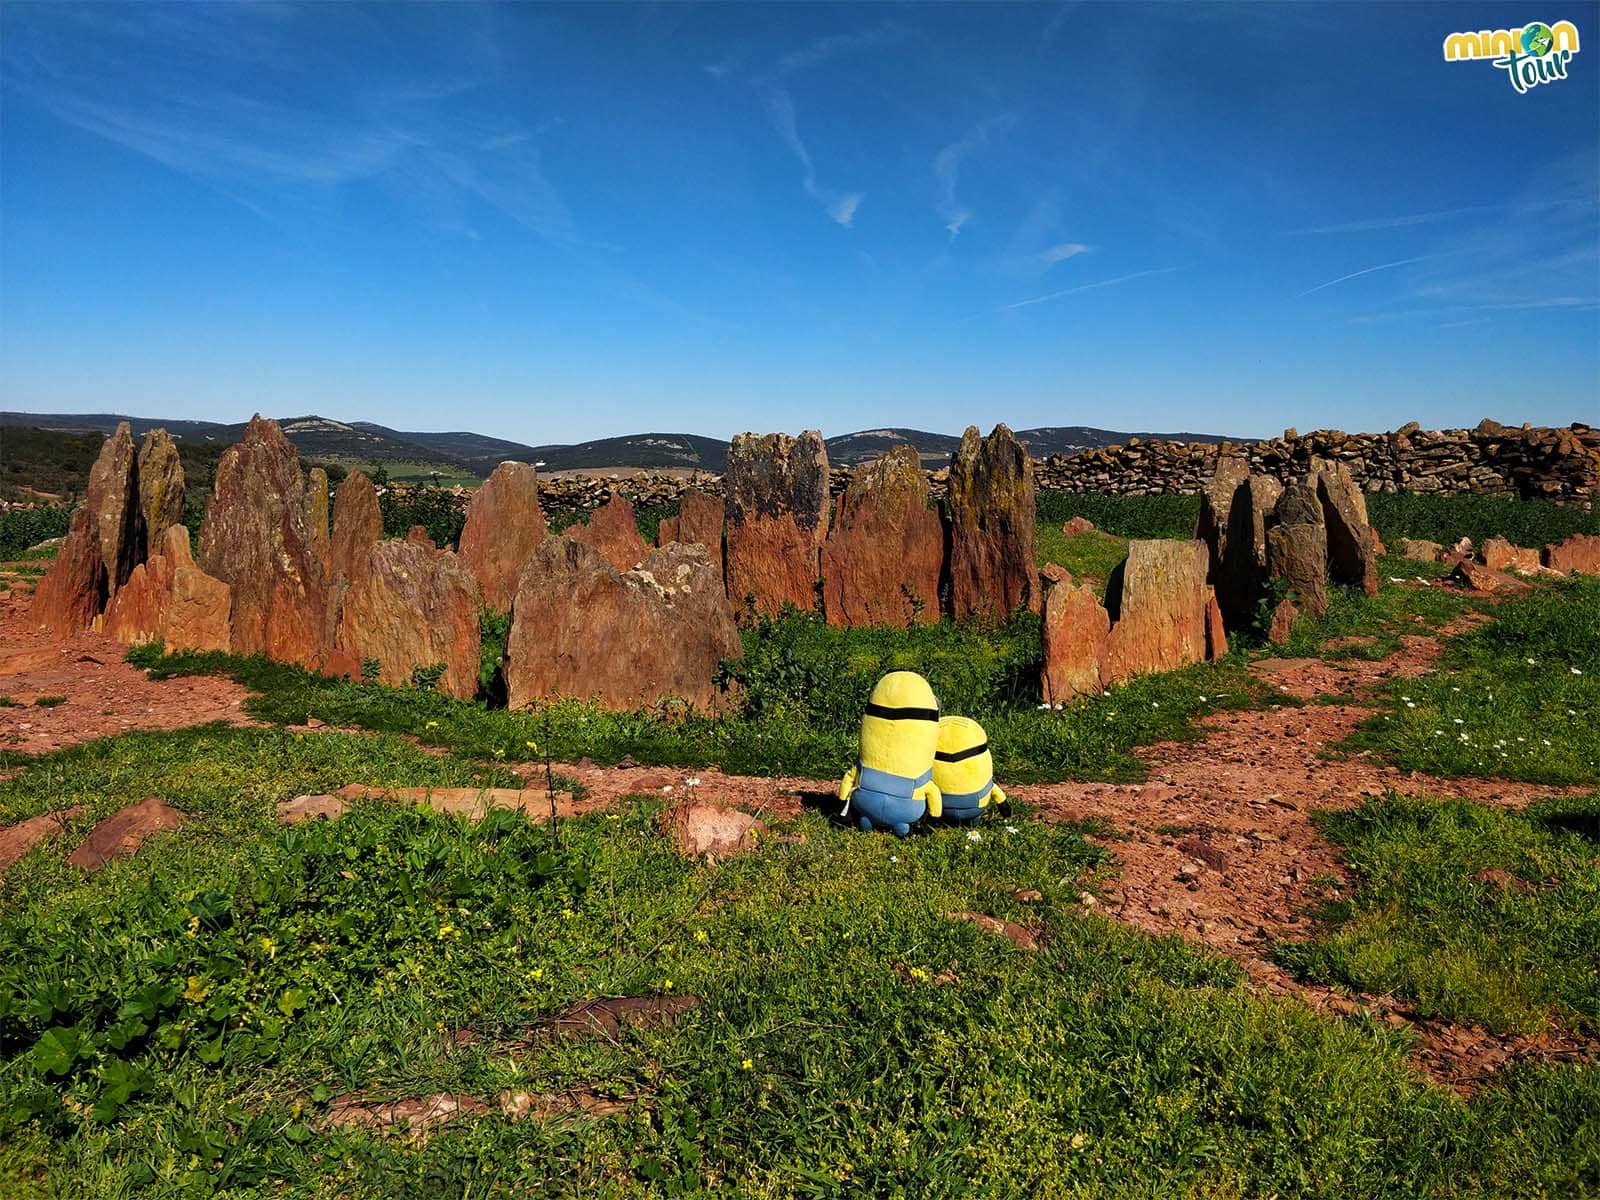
x: 800, y: 690
x: 1089, y: 556
x: 1516, y: 698
x: 436, y: 509
x: 49, y: 701
x: 1445, y: 519
x: 648, y: 517
x: 1472, y: 913
x: 1371, y: 627
x: 177, y: 1024
x: 24, y: 527
x: 1125, y: 516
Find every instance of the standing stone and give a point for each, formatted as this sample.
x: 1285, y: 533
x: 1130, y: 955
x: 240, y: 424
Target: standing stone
x: 1297, y: 547
x: 613, y: 529
x: 880, y: 564
x: 1580, y: 553
x: 1157, y: 601
x: 1282, y: 624
x: 1245, y: 570
x: 1500, y: 555
x: 256, y: 539
x: 73, y: 590
x: 1216, y: 504
x: 357, y: 525
x: 413, y: 608
x: 583, y: 629
x: 698, y: 523
x: 992, y: 523
x: 317, y: 515
x: 169, y: 599
x: 161, y: 483
x: 1352, y: 544
x: 504, y: 526
x: 418, y: 535
x: 1075, y: 628
x: 1216, y: 631
x: 776, y: 490
x: 113, y: 502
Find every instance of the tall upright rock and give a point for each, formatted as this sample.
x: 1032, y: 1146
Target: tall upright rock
x: 992, y: 518
x: 881, y: 562
x: 1352, y: 543
x: 412, y: 608
x: 504, y: 526
x: 317, y: 514
x: 699, y: 523
x: 113, y: 501
x: 1157, y: 600
x: 776, y: 490
x: 581, y: 628
x: 1075, y: 628
x: 73, y: 591
x: 1216, y: 509
x: 161, y: 485
x: 1297, y: 546
x: 168, y: 598
x: 357, y: 525
x: 257, y: 539
x: 613, y: 529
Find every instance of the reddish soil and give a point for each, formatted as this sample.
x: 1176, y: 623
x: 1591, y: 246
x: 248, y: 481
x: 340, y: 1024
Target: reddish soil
x: 104, y: 695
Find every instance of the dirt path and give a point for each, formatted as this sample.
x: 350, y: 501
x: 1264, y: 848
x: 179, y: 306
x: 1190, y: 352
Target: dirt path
x: 104, y: 695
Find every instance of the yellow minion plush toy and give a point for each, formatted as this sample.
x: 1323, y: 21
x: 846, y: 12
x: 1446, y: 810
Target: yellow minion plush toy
x: 963, y: 771
x: 891, y: 786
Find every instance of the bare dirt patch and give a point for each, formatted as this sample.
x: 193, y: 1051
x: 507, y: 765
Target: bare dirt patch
x: 104, y: 695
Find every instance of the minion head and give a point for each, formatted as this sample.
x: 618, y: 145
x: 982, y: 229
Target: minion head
x: 900, y: 729
x: 963, y: 768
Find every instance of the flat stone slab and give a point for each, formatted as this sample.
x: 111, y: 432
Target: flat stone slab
x: 1010, y: 930
x: 469, y: 802
x: 16, y: 840
x: 417, y: 1116
x: 122, y: 833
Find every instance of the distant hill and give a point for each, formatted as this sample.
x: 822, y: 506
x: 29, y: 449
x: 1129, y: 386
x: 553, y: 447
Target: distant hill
x: 466, y: 454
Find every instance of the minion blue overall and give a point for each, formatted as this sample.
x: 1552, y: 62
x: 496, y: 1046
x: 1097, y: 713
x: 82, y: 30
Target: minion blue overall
x: 963, y: 771
x: 891, y: 786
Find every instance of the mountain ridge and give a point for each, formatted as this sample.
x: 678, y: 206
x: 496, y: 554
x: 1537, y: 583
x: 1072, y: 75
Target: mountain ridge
x: 468, y: 452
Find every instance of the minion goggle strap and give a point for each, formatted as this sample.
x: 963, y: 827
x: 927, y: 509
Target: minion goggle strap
x: 958, y: 755
x: 902, y: 714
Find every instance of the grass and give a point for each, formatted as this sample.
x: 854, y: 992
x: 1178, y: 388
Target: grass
x: 1399, y: 608
x: 1444, y: 519
x: 1089, y: 556
x: 1125, y: 516
x: 24, y: 527
x: 795, y: 710
x: 1514, y: 953
x: 176, y: 1024
x: 48, y: 701
x: 1515, y: 699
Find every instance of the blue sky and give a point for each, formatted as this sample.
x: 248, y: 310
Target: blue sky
x: 555, y: 223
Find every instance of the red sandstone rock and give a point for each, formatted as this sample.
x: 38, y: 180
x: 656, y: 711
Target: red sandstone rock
x: 698, y: 523
x: 1283, y: 618
x: 777, y: 511
x: 702, y: 830
x: 71, y: 594
x: 992, y: 524
x: 121, y: 834
x: 1297, y: 546
x: 1580, y: 552
x: 357, y: 525
x: 504, y: 526
x: 256, y: 538
x: 1235, y: 528
x: 613, y: 529
x: 1352, y: 548
x: 197, y: 614
x: 1501, y: 555
x: 412, y: 608
x: 1016, y: 934
x: 138, y: 612
x: 1216, y: 634
x: 1157, y: 600
x: 881, y: 562
x: 1481, y: 578
x: 113, y: 502
x: 1216, y: 507
x: 1075, y: 526
x: 161, y: 495
x: 580, y: 628
x: 16, y: 840
x: 1075, y: 629
x: 418, y: 535
x: 1420, y: 550
x: 317, y: 516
